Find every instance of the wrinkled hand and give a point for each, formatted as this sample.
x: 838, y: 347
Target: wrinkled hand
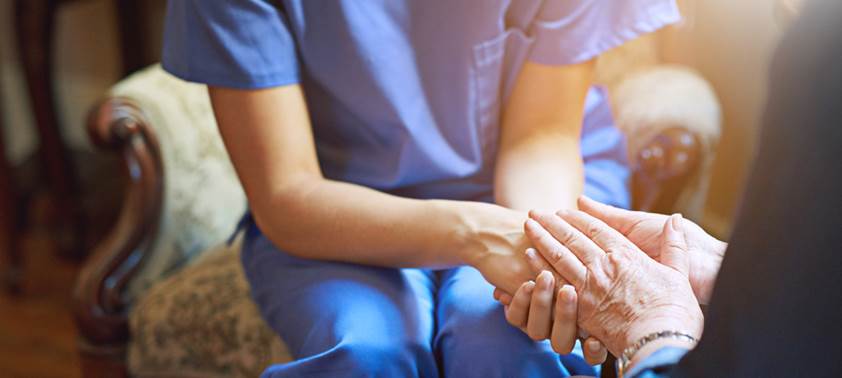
x: 623, y: 294
x: 646, y: 230
x: 532, y: 310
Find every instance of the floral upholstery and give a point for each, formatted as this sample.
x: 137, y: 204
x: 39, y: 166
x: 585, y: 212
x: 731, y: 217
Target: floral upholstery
x: 202, y: 322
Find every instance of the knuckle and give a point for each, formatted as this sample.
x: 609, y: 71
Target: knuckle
x: 594, y: 229
x: 612, y: 248
x: 617, y: 257
x: 568, y: 238
x: 555, y: 255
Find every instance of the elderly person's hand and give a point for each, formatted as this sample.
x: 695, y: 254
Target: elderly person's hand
x: 646, y: 230
x: 537, y: 313
x: 623, y: 294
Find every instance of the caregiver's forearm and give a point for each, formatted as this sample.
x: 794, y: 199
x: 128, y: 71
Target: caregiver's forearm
x: 539, y: 163
x: 543, y: 172
x: 329, y: 220
x: 268, y: 136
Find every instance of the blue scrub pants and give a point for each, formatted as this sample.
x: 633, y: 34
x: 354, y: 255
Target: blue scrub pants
x: 347, y: 320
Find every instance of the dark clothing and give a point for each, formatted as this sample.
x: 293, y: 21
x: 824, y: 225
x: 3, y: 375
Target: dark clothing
x: 776, y: 307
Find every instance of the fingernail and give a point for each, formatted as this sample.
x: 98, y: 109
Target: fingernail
x: 594, y: 346
x: 530, y: 285
x: 530, y: 223
x: 545, y: 279
x: 530, y: 253
x: 568, y: 294
x: 675, y: 221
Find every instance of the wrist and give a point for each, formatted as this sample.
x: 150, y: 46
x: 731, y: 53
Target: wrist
x: 460, y: 222
x: 689, y: 321
x: 477, y: 229
x: 649, y: 348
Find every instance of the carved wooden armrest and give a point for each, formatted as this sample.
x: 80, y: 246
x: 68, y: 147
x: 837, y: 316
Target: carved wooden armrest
x: 117, y: 124
x: 663, y: 167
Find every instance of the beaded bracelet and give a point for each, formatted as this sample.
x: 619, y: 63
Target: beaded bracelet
x: 629, y: 352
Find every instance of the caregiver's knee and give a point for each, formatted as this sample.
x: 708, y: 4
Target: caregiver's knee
x: 383, y: 359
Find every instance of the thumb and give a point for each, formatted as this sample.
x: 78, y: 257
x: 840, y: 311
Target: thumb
x: 674, y: 245
x: 619, y: 219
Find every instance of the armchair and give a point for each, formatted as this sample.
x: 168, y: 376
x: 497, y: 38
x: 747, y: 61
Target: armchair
x: 160, y: 318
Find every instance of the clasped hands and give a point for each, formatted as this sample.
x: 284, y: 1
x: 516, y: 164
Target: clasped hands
x: 612, y: 276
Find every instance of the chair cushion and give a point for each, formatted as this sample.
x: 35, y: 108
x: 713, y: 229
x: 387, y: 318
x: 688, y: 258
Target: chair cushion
x: 202, y: 322
x: 202, y: 199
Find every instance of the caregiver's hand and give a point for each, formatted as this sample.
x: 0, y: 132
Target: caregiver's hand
x: 495, y: 246
x: 623, y: 294
x: 646, y: 231
x: 532, y: 310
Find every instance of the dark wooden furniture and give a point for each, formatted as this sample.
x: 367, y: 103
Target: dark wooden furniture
x: 119, y: 126
x: 8, y: 219
x: 34, y: 23
x: 664, y: 167
x: 34, y: 26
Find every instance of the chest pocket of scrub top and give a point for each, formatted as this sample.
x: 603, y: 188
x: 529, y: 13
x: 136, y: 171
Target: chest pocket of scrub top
x: 496, y: 64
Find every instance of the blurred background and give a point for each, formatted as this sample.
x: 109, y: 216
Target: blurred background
x: 729, y: 43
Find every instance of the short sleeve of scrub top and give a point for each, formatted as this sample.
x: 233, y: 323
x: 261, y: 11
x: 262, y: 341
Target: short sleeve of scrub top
x: 243, y: 44
x: 406, y: 96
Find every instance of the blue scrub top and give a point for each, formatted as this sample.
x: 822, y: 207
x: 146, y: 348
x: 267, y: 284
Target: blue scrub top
x: 404, y: 95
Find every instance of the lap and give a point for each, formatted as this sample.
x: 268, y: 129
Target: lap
x: 322, y: 310
x: 314, y: 305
